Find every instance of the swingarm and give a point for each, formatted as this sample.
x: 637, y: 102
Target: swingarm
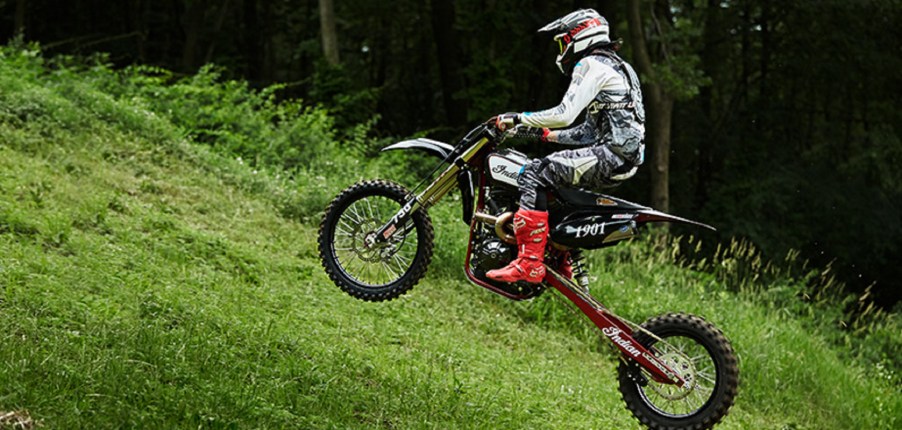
x: 614, y: 329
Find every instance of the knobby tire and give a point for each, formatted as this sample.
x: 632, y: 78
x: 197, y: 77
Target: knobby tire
x: 726, y: 365
x: 326, y: 241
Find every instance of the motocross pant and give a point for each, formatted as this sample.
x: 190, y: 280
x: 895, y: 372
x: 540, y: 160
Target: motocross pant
x: 589, y: 167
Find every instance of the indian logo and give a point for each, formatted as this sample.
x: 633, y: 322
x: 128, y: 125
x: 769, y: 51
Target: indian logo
x: 502, y: 170
x: 614, y: 334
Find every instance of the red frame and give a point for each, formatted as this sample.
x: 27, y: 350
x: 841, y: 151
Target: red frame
x: 613, y: 327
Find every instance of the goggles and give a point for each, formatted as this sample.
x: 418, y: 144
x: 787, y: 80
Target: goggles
x: 561, y: 44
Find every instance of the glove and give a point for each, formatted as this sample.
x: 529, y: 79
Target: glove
x: 506, y: 121
x: 531, y: 133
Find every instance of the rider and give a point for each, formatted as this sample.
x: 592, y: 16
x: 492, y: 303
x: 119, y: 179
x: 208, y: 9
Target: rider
x: 611, y: 138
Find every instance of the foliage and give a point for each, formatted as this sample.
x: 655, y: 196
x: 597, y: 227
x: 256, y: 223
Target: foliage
x: 675, y: 31
x: 770, y: 94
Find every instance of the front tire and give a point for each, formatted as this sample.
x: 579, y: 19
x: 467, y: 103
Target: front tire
x: 381, y: 272
x: 706, y: 360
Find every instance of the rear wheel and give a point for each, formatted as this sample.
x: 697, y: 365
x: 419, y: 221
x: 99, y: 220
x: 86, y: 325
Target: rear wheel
x: 704, y: 358
x: 381, y: 271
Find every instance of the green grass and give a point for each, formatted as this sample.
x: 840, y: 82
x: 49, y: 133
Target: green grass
x: 147, y: 282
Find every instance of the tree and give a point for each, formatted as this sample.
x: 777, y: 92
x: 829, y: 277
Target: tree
x: 21, y: 9
x: 329, y: 34
x: 192, y: 25
x: 447, y: 49
x: 660, y: 110
x: 669, y: 71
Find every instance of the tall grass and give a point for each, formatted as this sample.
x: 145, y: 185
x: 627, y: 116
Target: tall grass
x: 864, y: 332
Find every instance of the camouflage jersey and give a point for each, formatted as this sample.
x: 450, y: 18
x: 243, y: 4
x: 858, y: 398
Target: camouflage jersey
x: 607, y: 88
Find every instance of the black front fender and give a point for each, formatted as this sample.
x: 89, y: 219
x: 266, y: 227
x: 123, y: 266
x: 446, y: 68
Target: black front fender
x: 433, y: 147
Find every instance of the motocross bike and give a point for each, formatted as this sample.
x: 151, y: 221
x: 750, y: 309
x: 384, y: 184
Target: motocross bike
x: 677, y: 371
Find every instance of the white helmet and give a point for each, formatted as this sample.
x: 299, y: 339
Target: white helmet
x: 577, y: 33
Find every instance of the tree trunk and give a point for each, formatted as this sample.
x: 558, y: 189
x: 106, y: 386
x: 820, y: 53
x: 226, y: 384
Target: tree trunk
x: 711, y: 58
x: 327, y: 27
x: 253, y: 50
x: 660, y: 111
x: 765, y: 23
x: 448, y: 61
x: 223, y: 12
x: 192, y: 23
x: 660, y: 116
x: 138, y: 12
x: 21, y: 8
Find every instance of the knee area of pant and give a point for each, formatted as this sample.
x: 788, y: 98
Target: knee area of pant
x: 533, y: 168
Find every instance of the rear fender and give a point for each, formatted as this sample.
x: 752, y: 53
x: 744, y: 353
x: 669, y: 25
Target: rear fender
x: 432, y: 147
x: 650, y: 215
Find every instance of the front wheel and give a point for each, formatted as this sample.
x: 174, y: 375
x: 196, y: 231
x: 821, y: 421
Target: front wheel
x: 380, y: 271
x: 705, y: 360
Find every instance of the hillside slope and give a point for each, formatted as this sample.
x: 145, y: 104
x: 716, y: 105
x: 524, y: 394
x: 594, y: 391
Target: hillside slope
x: 146, y: 282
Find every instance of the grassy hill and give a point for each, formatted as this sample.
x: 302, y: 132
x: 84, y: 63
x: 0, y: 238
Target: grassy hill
x: 147, y: 281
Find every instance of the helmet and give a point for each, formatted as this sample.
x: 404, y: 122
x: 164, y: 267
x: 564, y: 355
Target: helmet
x: 577, y: 33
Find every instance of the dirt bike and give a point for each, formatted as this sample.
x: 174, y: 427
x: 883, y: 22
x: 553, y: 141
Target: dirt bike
x: 677, y: 371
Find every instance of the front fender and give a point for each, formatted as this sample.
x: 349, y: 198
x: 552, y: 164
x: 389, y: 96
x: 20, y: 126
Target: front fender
x: 433, y: 147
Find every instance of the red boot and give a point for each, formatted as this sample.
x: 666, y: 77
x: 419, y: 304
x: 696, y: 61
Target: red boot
x: 531, y: 229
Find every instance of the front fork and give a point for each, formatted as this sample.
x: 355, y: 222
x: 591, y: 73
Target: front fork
x: 428, y: 197
x: 614, y: 328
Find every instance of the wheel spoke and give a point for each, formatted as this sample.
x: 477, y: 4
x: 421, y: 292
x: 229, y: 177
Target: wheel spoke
x: 344, y: 234
x: 357, y: 219
x: 402, y: 266
x: 343, y: 223
x: 390, y: 272
x: 370, y: 209
x: 707, y: 378
x: 688, y: 405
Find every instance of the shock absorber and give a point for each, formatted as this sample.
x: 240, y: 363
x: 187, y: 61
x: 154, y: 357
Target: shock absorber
x: 580, y: 274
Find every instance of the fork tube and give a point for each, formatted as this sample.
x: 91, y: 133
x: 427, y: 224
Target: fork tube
x: 438, y: 188
x: 441, y: 185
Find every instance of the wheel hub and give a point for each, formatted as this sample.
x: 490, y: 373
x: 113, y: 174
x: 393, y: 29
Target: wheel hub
x: 366, y: 247
x: 683, y: 366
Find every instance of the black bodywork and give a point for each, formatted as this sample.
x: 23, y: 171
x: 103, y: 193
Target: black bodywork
x: 579, y: 218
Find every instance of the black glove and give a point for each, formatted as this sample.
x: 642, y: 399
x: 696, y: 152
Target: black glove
x: 531, y: 133
x: 506, y: 121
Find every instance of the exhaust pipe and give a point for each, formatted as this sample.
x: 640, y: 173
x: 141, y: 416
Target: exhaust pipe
x: 502, y: 223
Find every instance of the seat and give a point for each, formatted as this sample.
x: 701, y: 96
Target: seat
x: 585, y: 198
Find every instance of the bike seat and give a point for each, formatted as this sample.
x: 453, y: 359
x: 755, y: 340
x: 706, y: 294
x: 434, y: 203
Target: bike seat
x: 585, y: 198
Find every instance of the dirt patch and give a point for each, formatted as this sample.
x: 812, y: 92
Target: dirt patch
x: 17, y: 420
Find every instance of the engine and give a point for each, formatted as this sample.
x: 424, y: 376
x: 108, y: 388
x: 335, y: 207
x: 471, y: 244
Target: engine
x: 490, y: 252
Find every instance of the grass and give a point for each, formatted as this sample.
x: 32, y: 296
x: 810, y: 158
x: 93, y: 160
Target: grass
x: 147, y: 282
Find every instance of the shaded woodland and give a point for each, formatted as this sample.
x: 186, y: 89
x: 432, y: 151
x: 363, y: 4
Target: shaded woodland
x: 775, y: 121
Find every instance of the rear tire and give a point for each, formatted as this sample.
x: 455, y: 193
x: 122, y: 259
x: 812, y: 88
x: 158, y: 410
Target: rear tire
x: 373, y: 273
x: 705, y: 357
